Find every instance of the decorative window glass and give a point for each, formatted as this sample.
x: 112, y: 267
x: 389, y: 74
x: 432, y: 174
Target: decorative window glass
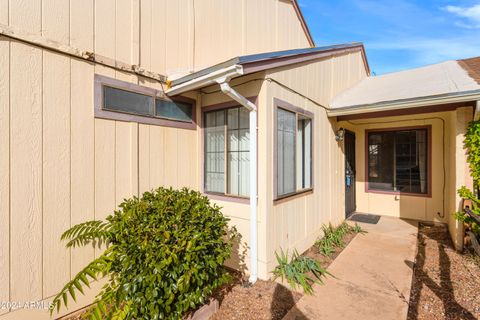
x: 227, y: 154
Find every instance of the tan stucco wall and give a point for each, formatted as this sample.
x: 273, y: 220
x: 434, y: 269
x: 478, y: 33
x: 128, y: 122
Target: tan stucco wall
x: 434, y: 208
x: 168, y: 37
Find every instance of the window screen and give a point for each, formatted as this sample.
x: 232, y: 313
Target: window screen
x: 397, y: 161
x: 175, y: 110
x: 127, y: 101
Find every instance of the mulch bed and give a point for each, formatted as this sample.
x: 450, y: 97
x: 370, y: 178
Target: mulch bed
x: 265, y: 300
x: 446, y: 284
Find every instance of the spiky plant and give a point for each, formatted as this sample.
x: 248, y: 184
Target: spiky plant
x: 297, y: 269
x: 164, y: 256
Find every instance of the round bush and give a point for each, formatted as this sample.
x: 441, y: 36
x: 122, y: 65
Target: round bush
x: 165, y: 255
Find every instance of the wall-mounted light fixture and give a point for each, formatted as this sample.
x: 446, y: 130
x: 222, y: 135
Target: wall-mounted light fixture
x: 340, y: 134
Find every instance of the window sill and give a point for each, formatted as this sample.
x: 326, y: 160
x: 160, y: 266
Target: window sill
x: 399, y: 193
x: 227, y: 198
x: 292, y: 196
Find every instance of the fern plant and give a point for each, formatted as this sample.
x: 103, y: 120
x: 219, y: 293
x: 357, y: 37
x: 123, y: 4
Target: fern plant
x: 297, y: 269
x: 165, y: 254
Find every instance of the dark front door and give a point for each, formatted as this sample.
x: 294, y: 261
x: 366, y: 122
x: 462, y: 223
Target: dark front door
x: 350, y: 204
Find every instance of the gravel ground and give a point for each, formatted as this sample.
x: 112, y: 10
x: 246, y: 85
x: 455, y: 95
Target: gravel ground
x: 446, y: 284
x: 265, y: 300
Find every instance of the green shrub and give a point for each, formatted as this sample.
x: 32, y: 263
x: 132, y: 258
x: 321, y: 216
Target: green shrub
x: 472, y: 144
x: 165, y: 256
x: 465, y: 193
x: 296, y: 270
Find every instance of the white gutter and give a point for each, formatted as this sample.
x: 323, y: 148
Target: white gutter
x: 406, y: 103
x: 223, y: 77
x: 252, y: 108
x: 206, y: 80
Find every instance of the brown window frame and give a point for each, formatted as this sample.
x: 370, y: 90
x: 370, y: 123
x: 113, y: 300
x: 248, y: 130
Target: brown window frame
x: 428, y: 194
x: 101, y: 112
x: 280, y: 104
x: 218, y: 195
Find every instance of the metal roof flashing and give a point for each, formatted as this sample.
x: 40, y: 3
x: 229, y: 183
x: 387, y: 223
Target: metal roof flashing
x: 263, y: 61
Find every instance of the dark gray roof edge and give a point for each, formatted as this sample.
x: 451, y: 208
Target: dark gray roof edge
x: 267, y: 56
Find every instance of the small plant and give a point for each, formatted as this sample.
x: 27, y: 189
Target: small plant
x: 296, y: 271
x: 357, y: 229
x: 164, y: 257
x: 333, y: 237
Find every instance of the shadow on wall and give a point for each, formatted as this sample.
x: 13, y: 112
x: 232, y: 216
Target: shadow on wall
x: 444, y: 291
x: 238, y: 257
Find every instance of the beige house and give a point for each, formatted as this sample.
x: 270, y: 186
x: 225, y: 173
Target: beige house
x: 102, y: 100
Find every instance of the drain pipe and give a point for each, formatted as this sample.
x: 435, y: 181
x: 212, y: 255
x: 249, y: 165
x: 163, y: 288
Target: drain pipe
x: 252, y: 108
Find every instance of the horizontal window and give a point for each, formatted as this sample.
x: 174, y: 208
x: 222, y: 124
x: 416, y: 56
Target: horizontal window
x: 126, y: 101
x: 227, y: 154
x: 398, y: 160
x: 294, y: 152
x: 120, y: 100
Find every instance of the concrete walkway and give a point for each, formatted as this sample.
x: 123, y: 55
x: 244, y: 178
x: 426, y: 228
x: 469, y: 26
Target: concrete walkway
x: 372, y: 276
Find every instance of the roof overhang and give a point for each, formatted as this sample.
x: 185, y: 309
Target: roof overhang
x: 249, y: 64
x: 416, y: 102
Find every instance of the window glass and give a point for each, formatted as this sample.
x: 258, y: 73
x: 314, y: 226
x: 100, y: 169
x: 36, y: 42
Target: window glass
x: 238, y: 152
x: 227, y: 143
x: 175, y: 110
x: 285, y: 152
x: 304, y: 153
x: 126, y: 101
x: 397, y: 161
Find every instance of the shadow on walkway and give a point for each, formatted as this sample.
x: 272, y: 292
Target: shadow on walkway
x: 444, y: 291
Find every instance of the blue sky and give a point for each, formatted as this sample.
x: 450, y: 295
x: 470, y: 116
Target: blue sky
x: 398, y: 34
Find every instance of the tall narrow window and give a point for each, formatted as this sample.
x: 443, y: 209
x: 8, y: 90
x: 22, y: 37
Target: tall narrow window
x: 397, y: 161
x: 227, y: 154
x: 294, y: 152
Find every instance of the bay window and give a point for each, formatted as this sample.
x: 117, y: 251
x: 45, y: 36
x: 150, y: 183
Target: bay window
x: 398, y: 160
x: 227, y: 155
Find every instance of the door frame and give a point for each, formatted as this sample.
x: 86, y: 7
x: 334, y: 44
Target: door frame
x: 353, y: 136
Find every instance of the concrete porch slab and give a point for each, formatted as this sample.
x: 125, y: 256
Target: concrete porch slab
x: 372, y: 276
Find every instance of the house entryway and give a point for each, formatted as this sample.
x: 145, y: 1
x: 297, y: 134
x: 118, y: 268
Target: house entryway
x: 350, y: 201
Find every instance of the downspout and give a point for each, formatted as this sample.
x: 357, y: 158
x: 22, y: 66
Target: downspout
x: 252, y: 108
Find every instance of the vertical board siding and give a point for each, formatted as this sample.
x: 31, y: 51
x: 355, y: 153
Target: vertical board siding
x: 4, y: 172
x: 164, y: 36
x: 56, y: 20
x: 82, y: 24
x: 4, y: 12
x: 82, y: 155
x: 123, y: 30
x: 26, y: 173
x: 26, y: 15
x: 56, y: 170
x: 105, y: 22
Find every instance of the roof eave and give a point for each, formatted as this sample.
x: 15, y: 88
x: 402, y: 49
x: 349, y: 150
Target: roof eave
x: 465, y: 96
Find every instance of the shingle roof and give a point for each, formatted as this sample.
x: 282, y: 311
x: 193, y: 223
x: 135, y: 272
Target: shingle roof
x: 434, y: 80
x: 472, y: 66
